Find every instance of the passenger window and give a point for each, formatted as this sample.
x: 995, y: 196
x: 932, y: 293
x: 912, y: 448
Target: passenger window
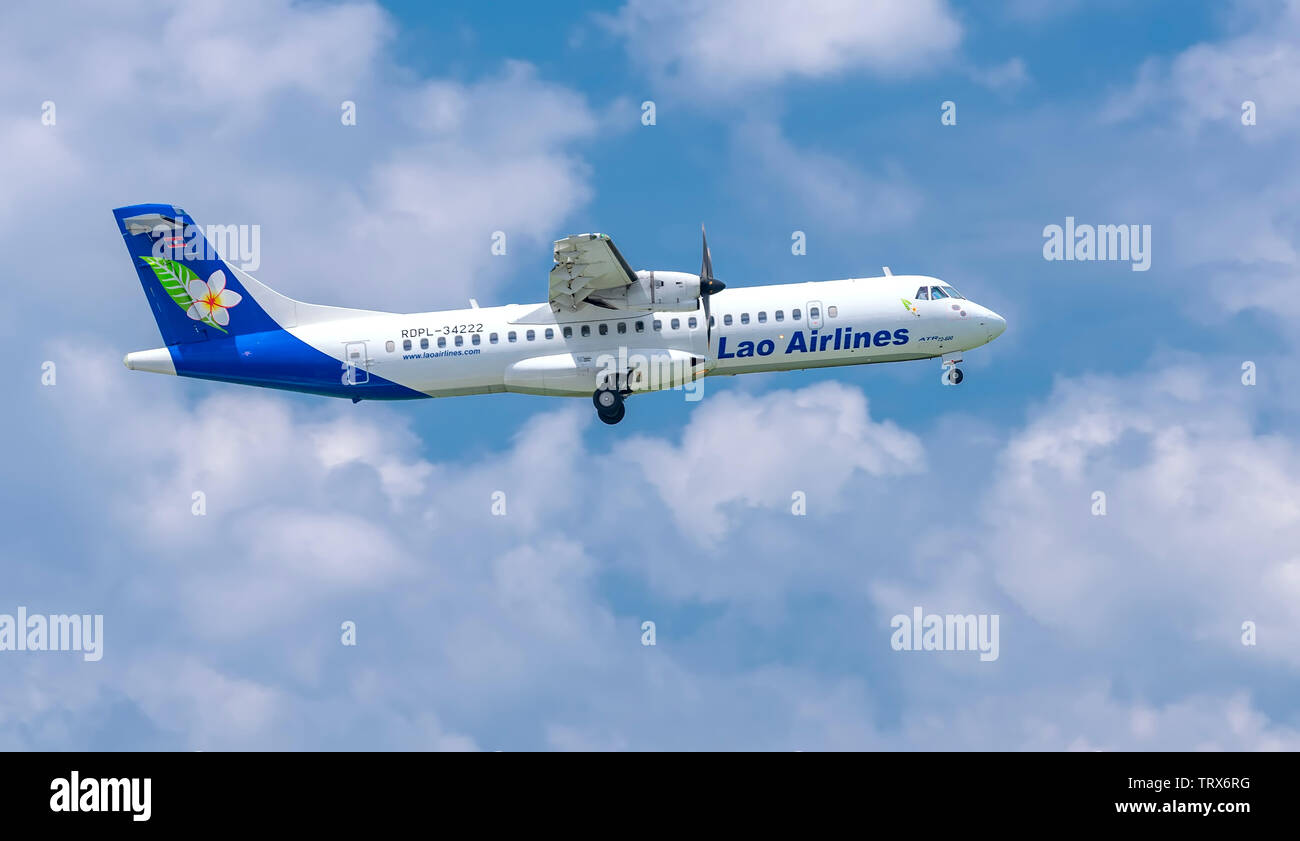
x: 550, y: 334
x: 780, y: 315
x: 833, y: 311
x: 677, y: 323
x: 424, y: 344
x: 744, y: 318
x: 712, y: 322
x: 406, y: 344
x: 814, y: 312
x: 622, y: 327
x: 474, y: 339
x: 795, y: 315
x: 530, y: 335
x: 923, y: 294
x: 726, y: 319
x: 586, y: 329
x: 659, y: 325
x: 640, y: 326
x: 762, y: 317
x: 691, y: 322
x: 442, y: 341
x: 492, y: 339
x: 389, y: 346
x: 936, y: 293
x: 603, y: 329
x: 568, y: 332
x: 460, y: 340
x: 512, y: 337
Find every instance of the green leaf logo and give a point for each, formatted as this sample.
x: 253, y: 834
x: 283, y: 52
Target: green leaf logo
x: 174, y: 279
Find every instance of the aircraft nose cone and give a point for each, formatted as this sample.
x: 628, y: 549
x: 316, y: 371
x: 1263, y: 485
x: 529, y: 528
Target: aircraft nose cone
x: 996, y: 325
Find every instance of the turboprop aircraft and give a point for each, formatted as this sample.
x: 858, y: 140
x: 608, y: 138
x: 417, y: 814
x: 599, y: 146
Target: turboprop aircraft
x: 607, y: 331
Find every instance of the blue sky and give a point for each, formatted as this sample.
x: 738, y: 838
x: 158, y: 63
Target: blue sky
x: 524, y: 631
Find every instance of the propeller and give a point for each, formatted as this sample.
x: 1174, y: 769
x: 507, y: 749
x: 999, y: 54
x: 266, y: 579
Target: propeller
x: 709, y: 285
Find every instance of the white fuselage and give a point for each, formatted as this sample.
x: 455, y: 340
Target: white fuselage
x: 532, y: 349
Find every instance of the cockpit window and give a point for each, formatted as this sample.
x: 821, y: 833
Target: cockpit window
x: 953, y: 293
x: 936, y: 293
x: 923, y: 294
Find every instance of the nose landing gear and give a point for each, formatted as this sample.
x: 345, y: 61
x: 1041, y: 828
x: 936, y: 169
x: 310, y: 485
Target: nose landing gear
x: 609, y: 405
x: 951, y: 373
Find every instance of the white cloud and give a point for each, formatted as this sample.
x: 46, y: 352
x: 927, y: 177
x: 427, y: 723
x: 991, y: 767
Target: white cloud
x: 488, y: 156
x: 756, y: 451
x: 187, y: 62
x: 396, y: 212
x: 1202, y: 523
x: 1088, y: 717
x: 572, y: 738
x: 1220, y: 195
x: 544, y: 587
x: 37, y: 158
x: 1208, y: 82
x: 807, y: 184
x: 1008, y: 76
x: 723, y: 47
x: 312, y: 516
x: 206, y: 708
x: 485, y: 623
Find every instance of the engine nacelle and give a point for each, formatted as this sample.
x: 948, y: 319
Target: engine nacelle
x: 668, y: 291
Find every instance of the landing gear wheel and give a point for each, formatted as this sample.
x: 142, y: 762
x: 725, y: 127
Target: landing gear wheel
x: 955, y: 376
x: 606, y: 399
x: 609, y: 405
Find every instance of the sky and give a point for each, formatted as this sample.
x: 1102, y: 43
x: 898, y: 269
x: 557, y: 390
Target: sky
x: 1168, y: 622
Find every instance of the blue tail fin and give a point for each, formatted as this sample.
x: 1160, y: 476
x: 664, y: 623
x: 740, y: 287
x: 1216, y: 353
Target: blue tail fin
x: 194, y: 295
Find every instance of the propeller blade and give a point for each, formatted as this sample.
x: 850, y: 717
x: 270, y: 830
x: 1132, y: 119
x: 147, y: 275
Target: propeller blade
x: 709, y: 285
x: 706, y: 265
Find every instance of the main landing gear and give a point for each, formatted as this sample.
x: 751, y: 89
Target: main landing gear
x: 609, y: 405
x: 955, y: 376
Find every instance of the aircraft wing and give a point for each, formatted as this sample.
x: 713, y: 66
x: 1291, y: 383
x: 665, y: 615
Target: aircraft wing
x: 587, y: 264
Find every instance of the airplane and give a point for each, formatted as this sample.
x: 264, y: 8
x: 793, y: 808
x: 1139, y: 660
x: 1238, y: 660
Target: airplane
x: 607, y: 331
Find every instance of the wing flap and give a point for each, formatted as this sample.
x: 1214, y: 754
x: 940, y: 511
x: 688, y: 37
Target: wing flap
x: 584, y: 264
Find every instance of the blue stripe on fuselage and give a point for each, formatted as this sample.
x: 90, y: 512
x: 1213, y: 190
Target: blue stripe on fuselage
x: 278, y: 359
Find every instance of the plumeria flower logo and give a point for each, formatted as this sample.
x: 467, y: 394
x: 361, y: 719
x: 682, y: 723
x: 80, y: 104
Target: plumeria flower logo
x: 212, y: 299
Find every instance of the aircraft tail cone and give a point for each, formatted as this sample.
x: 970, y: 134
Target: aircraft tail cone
x: 157, y: 361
